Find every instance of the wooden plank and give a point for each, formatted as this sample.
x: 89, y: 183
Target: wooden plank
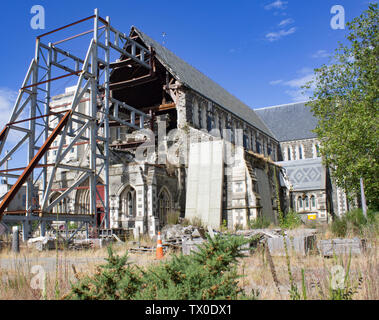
x: 132, y: 82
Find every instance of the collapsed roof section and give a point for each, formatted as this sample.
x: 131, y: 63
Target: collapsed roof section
x: 130, y: 83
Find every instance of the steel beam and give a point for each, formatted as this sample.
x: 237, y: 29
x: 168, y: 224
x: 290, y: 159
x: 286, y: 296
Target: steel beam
x: 33, y: 163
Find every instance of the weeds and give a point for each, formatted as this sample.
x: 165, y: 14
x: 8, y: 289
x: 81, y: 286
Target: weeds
x: 291, y: 220
x: 356, y: 224
x: 173, y: 217
x: 259, y: 223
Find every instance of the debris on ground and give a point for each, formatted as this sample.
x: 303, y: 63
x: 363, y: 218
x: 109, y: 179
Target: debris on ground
x: 92, y: 243
x: 186, y: 238
x: 331, y: 247
x: 42, y: 243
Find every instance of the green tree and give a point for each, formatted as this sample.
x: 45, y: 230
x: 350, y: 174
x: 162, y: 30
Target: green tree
x: 345, y: 102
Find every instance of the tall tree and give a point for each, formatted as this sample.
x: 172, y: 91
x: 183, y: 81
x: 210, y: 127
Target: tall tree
x: 345, y: 102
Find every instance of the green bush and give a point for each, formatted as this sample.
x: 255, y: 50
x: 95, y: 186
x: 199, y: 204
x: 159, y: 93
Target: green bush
x: 355, y: 223
x: 291, y: 220
x: 259, y: 223
x: 208, y: 274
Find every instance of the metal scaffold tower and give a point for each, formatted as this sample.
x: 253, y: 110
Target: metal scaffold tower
x: 32, y: 117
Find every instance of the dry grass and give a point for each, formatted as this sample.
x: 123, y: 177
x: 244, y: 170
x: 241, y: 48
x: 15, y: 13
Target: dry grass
x: 258, y: 275
x: 15, y: 280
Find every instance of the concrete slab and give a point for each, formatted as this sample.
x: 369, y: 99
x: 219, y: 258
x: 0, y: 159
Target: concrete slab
x: 204, y: 183
x: 295, y: 245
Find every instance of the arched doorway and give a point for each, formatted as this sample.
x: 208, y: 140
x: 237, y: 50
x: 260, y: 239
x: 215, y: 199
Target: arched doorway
x: 83, y: 202
x: 61, y: 206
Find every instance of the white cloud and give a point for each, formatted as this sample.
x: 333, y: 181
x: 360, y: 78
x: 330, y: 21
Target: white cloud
x: 275, y: 82
x: 297, y: 95
x: 273, y: 36
x: 296, y: 92
x: 305, y: 70
x: 285, y: 22
x: 293, y: 87
x: 321, y: 54
x: 7, y: 99
x: 298, y: 82
x: 278, y: 4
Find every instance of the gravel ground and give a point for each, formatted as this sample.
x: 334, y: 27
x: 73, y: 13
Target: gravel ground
x: 48, y: 263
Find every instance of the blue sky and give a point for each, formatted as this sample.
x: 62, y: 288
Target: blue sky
x: 260, y: 51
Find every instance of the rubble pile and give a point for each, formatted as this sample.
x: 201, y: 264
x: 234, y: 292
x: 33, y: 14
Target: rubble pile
x: 42, y: 243
x: 186, y: 238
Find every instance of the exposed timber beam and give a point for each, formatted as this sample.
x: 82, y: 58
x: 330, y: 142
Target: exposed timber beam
x: 133, y: 82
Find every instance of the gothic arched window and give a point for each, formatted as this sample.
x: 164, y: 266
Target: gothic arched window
x: 306, y: 200
x: 300, y: 203
x: 313, y: 201
x: 300, y: 152
x: 128, y: 202
x: 289, y: 154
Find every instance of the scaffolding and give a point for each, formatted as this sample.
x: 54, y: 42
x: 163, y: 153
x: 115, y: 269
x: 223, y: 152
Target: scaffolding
x: 31, y: 122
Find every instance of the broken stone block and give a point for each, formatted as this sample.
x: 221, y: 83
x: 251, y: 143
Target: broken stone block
x: 341, y: 246
x: 189, y: 245
x: 295, y: 245
x: 198, y: 233
x: 42, y: 243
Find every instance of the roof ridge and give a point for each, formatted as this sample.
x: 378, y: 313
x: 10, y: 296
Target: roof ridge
x: 284, y: 105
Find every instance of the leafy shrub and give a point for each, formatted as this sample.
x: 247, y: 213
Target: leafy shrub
x: 291, y: 220
x: 208, y: 274
x: 355, y: 223
x: 112, y: 281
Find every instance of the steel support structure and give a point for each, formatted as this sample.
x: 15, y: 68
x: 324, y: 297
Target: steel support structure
x: 32, y: 117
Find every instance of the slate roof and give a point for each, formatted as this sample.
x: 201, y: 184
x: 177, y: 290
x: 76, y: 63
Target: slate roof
x: 289, y: 121
x: 306, y: 174
x: 194, y: 79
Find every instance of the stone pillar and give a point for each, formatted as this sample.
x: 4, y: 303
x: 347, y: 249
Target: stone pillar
x: 15, y: 240
x: 114, y: 212
x: 141, y: 208
x: 152, y: 224
x: 181, y: 109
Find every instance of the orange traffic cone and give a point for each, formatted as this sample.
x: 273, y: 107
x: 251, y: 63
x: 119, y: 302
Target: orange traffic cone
x: 159, y: 254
